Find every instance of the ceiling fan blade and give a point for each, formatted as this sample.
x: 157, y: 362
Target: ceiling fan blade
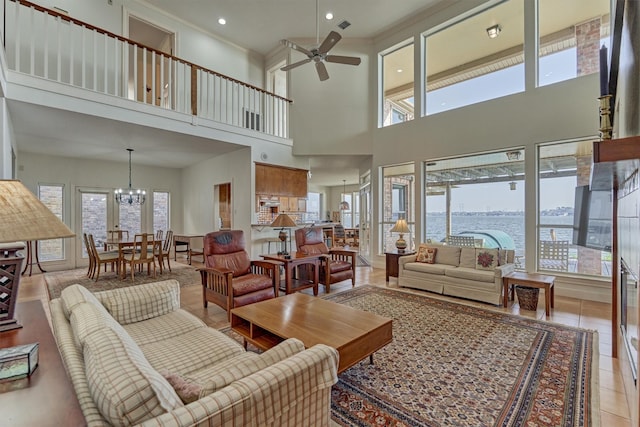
x: 329, y: 42
x: 295, y: 64
x: 349, y: 60
x: 322, y: 71
x: 294, y: 46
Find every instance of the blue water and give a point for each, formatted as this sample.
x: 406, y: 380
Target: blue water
x: 512, y: 224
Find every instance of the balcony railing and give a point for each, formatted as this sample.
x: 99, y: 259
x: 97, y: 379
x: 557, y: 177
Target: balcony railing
x: 44, y: 43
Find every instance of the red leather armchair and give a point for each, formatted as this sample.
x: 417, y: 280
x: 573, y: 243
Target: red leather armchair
x: 338, y: 264
x: 230, y: 279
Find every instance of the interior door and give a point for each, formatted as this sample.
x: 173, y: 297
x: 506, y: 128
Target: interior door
x: 365, y: 221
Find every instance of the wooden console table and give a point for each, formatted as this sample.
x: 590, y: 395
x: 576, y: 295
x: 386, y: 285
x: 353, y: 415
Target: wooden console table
x: 47, y: 397
x: 291, y: 283
x: 185, y: 239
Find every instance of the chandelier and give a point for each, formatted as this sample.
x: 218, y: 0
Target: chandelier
x: 130, y: 196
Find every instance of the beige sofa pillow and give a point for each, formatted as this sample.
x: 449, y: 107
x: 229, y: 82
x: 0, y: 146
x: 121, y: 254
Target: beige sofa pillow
x: 449, y: 255
x: 468, y: 257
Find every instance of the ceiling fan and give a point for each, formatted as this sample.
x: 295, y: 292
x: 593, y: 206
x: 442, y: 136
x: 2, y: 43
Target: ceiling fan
x: 319, y: 55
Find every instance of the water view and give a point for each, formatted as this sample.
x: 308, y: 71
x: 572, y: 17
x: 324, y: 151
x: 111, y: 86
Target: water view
x: 510, y: 222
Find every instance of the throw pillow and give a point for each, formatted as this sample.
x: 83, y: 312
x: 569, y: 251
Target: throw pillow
x: 426, y: 254
x: 187, y: 391
x: 486, y: 259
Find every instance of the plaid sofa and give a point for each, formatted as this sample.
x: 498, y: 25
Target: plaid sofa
x: 135, y: 358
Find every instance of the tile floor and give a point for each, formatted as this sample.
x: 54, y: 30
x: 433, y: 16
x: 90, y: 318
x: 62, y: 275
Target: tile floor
x: 614, y: 410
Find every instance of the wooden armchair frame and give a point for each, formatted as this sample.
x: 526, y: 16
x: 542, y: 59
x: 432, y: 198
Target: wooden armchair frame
x: 217, y: 284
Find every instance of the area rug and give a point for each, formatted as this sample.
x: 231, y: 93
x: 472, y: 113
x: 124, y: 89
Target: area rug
x: 455, y: 365
x: 58, y: 280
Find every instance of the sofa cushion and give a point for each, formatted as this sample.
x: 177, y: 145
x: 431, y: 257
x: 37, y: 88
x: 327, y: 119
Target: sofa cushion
x: 124, y: 387
x: 222, y: 374
x: 426, y: 254
x: 191, y: 351
x: 426, y: 268
x: 471, y: 274
x: 486, y: 259
x: 449, y: 255
x: 163, y: 327
x: 467, y: 257
x: 77, y: 294
x: 141, y: 302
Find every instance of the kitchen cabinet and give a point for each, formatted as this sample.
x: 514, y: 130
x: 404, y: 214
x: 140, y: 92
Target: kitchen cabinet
x: 281, y: 181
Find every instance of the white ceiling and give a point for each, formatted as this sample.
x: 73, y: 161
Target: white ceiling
x: 259, y: 25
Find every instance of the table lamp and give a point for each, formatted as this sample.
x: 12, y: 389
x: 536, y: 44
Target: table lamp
x: 283, y: 221
x: 401, y: 227
x: 22, y: 218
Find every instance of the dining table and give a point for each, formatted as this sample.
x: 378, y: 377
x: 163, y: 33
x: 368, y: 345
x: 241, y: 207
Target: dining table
x: 125, y: 243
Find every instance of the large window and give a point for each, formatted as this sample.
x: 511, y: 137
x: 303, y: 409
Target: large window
x: 52, y: 197
x: 161, y: 211
x: 464, y: 65
x: 398, y: 202
x: 480, y: 196
x: 397, y: 84
x: 564, y: 169
x: 130, y: 218
x: 571, y: 34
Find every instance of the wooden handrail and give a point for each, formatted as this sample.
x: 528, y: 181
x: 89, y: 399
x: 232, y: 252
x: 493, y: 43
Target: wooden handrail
x: 126, y: 40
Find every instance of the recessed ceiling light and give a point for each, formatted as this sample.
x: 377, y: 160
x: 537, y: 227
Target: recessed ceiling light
x: 399, y: 70
x: 222, y: 21
x: 329, y: 16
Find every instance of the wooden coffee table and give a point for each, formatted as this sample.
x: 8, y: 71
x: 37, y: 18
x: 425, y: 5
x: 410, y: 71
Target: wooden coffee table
x: 354, y: 333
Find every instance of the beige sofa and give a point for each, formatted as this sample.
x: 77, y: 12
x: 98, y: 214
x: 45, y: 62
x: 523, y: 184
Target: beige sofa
x: 456, y: 272
x: 135, y: 358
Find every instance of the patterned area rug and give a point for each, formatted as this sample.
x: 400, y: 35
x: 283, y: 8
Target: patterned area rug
x: 58, y: 280
x: 456, y: 365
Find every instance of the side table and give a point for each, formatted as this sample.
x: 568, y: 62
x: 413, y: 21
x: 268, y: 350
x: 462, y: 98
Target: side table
x: 540, y: 281
x: 47, y: 397
x: 392, y: 262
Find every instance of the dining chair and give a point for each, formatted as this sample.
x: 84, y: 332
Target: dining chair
x: 103, y: 257
x: 163, y: 250
x: 85, y: 239
x: 159, y: 234
x: 143, y: 254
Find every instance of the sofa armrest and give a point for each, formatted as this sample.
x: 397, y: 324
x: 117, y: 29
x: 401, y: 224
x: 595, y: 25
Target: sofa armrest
x: 405, y: 259
x: 297, y: 388
x: 503, y: 270
x: 137, y: 303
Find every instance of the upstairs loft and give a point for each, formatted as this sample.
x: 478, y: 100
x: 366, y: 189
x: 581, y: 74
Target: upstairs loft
x: 48, y: 51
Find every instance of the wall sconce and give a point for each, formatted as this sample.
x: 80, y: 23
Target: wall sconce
x: 494, y: 31
x: 512, y: 185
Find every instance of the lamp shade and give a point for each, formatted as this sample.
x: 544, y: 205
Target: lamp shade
x: 400, y: 227
x: 24, y: 217
x: 283, y: 220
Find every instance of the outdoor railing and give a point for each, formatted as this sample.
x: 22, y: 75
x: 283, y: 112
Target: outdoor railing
x: 44, y: 43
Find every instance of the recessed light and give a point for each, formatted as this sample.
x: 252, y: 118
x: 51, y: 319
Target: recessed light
x: 399, y: 70
x: 222, y: 21
x: 329, y: 16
